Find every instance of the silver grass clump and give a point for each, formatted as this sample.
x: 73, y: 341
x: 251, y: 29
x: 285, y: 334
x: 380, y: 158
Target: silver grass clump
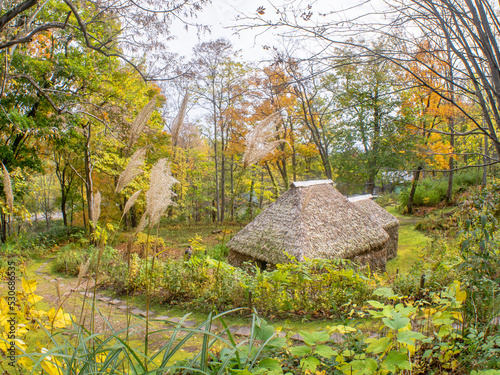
x: 131, y: 201
x: 159, y: 195
x: 96, y: 208
x: 132, y: 170
x: 140, y: 121
x: 179, y: 119
x: 260, y: 140
x: 7, y: 188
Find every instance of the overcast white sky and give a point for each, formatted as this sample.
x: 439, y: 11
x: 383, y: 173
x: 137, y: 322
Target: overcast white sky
x: 222, y: 14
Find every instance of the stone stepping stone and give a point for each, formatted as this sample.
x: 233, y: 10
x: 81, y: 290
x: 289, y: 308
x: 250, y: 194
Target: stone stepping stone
x: 175, y: 320
x: 297, y: 337
x: 66, y: 294
x: 53, y: 280
x: 337, y: 338
x: 115, y: 302
x: 233, y: 329
x: 163, y: 318
x: 138, y: 312
x: 281, y: 334
x: 104, y: 299
x: 189, y: 323
x: 243, y: 331
x: 144, y: 314
x: 124, y: 307
x: 47, y: 277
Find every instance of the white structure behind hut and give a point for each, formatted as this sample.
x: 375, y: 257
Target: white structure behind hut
x: 312, y: 219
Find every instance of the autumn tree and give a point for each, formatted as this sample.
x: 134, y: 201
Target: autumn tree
x: 466, y: 30
x: 221, y: 85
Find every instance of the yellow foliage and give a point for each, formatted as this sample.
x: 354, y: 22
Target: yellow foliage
x: 19, y: 316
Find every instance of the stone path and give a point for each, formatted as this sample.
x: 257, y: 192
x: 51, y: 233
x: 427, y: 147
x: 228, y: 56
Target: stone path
x: 87, y: 284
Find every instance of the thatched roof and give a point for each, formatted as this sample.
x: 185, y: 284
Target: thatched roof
x: 312, y: 219
x: 378, y: 215
x: 375, y: 212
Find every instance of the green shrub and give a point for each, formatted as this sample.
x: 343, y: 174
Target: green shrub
x: 430, y: 192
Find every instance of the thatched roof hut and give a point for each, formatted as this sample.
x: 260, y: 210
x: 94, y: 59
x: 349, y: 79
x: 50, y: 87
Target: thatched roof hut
x: 378, y: 215
x: 312, y: 219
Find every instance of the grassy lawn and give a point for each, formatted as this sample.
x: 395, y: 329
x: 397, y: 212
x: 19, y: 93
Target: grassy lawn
x: 411, y: 242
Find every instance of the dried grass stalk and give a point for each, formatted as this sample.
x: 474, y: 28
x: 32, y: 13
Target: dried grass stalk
x: 132, y: 170
x: 58, y: 290
x: 159, y: 195
x: 140, y: 121
x: 259, y: 141
x: 83, y: 271
x: 96, y: 208
x: 131, y: 202
x: 7, y: 187
x: 179, y: 119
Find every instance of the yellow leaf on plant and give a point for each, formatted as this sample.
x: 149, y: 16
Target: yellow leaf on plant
x: 29, y: 286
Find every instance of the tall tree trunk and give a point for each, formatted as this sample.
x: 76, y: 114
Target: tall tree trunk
x: 232, y: 188
x: 485, y: 160
x: 416, y: 176
x: 451, y: 164
x: 273, y: 180
x: 4, y: 227
x: 63, y: 207
x: 294, y: 156
x: 88, y: 178
x: 222, y: 179
x: 250, y: 199
x: 451, y: 84
x: 216, y: 198
x: 83, y: 207
x: 370, y: 184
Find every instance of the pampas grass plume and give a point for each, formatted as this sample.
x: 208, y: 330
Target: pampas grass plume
x: 159, y: 195
x: 131, y: 201
x: 96, y: 208
x: 7, y: 187
x: 132, y: 170
x: 259, y: 141
x: 140, y: 121
x: 178, y: 121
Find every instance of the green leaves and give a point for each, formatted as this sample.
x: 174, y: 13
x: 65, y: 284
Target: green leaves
x: 409, y: 337
x: 378, y: 345
x: 396, y: 322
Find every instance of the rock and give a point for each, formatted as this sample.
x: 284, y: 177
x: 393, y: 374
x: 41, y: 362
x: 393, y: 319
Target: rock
x: 163, y: 318
x: 115, y: 302
x: 104, y: 299
x: 189, y: 323
x: 337, y: 338
x: 297, y: 337
x: 244, y: 331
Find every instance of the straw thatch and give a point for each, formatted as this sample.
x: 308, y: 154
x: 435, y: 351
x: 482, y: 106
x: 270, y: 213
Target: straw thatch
x: 380, y: 216
x: 311, y: 220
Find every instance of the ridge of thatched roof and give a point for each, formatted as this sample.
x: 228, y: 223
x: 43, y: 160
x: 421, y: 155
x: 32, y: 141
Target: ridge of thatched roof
x: 356, y: 198
x: 310, y: 183
x: 309, y: 220
x: 377, y: 213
